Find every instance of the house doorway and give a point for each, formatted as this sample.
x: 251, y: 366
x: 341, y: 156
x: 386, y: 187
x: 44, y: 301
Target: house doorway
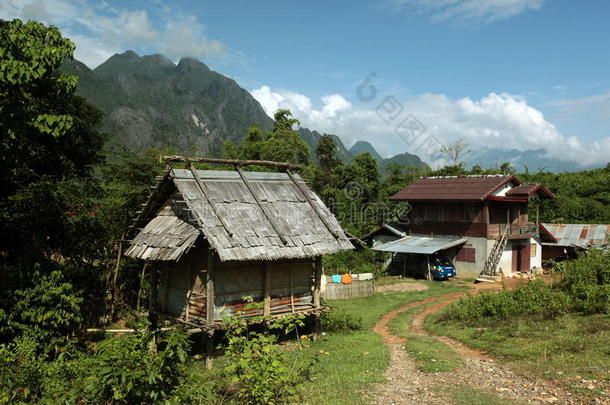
x: 521, y: 258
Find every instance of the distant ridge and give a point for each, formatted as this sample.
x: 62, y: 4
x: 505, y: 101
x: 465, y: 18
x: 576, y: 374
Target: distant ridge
x: 149, y: 101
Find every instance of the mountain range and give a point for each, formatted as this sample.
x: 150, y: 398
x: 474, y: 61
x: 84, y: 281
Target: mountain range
x: 149, y: 101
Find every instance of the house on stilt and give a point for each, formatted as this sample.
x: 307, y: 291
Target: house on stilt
x: 478, y: 223
x: 217, y: 241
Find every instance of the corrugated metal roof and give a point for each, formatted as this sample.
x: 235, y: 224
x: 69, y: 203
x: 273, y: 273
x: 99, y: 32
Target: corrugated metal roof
x: 582, y: 235
x: 453, y: 188
x: 249, y: 235
x: 420, y: 244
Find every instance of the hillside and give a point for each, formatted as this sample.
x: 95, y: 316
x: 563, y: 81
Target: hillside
x: 148, y: 101
x: 532, y: 160
x: 406, y: 159
x: 365, y: 147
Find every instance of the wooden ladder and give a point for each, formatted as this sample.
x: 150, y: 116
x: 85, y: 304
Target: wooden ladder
x: 493, y: 259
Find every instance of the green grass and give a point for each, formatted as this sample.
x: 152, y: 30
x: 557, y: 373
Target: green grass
x: 464, y: 395
x: 566, y: 348
x: 351, y: 362
x: 432, y: 356
x: 372, y: 308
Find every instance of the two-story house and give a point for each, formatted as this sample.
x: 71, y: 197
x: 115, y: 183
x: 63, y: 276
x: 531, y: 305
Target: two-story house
x: 480, y: 223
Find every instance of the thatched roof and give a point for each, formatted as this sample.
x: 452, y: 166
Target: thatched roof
x: 290, y: 222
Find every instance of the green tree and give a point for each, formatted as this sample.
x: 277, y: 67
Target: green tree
x: 284, y: 143
x: 49, y: 196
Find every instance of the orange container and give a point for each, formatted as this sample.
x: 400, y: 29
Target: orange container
x: 346, y: 278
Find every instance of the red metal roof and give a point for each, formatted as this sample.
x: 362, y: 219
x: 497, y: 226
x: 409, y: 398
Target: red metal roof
x: 526, y: 190
x: 453, y: 188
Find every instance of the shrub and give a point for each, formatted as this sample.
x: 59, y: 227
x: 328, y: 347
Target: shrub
x: 126, y: 371
x: 338, y: 320
x: 535, y: 299
x: 259, y: 369
x: 355, y: 261
x: 48, y: 311
x: 587, y: 280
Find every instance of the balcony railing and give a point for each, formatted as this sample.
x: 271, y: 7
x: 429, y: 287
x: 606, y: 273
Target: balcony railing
x: 516, y: 231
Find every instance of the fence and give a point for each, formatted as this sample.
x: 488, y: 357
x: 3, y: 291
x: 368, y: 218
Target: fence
x: 357, y: 289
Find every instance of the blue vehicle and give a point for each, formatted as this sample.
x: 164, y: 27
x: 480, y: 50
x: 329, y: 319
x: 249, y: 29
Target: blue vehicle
x: 441, y: 268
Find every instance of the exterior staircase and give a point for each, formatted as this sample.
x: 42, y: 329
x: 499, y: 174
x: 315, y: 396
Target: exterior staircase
x: 489, y: 273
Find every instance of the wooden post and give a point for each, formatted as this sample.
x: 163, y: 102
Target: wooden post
x: 428, y: 261
x: 209, y: 288
x: 138, y: 306
x: 317, y: 281
x: 291, y: 289
x: 153, y: 298
x: 267, y: 289
x: 208, y: 343
x: 317, y: 326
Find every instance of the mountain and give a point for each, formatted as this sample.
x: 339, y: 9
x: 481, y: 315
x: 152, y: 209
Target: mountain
x: 312, y: 138
x: 148, y: 101
x: 365, y: 147
x: 406, y: 159
x: 531, y: 159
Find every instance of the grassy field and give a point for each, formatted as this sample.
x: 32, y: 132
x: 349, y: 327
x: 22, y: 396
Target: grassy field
x: 350, y: 362
x: 431, y: 355
x: 571, y: 348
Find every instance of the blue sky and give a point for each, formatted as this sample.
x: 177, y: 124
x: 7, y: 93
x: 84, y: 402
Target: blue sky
x: 500, y: 73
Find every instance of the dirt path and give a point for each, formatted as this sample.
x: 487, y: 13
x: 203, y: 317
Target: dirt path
x: 407, y: 385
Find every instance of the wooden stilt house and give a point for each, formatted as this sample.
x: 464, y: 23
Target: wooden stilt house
x: 219, y: 240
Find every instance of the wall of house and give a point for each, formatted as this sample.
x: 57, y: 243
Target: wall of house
x: 536, y: 255
x: 506, y: 260
x: 235, y: 281
x: 181, y: 288
x: 472, y: 269
x: 181, y: 285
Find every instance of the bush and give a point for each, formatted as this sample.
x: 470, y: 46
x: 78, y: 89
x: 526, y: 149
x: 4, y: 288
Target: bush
x: 48, y: 311
x: 126, y: 371
x: 535, y: 299
x: 355, y: 261
x: 587, y: 280
x: 258, y: 367
x: 338, y: 320
x: 123, y: 370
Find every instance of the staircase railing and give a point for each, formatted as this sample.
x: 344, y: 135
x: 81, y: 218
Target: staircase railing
x: 493, y: 259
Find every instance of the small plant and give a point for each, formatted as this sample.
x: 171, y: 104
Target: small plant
x: 48, y: 311
x: 338, y: 320
x: 535, y: 299
x: 259, y: 368
x: 127, y: 371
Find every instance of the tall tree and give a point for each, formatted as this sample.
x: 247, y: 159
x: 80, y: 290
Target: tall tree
x: 283, y: 143
x: 49, y: 142
x: 456, y: 151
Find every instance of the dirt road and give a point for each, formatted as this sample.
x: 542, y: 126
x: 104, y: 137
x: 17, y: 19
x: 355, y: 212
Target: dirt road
x: 407, y: 385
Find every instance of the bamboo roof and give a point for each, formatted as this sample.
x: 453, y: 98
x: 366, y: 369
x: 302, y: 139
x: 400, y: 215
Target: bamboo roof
x: 243, y: 216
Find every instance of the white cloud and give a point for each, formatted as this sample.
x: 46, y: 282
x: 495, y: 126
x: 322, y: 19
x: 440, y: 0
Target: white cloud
x: 99, y: 30
x: 186, y: 37
x: 495, y: 121
x: 596, y: 104
x: 465, y: 12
